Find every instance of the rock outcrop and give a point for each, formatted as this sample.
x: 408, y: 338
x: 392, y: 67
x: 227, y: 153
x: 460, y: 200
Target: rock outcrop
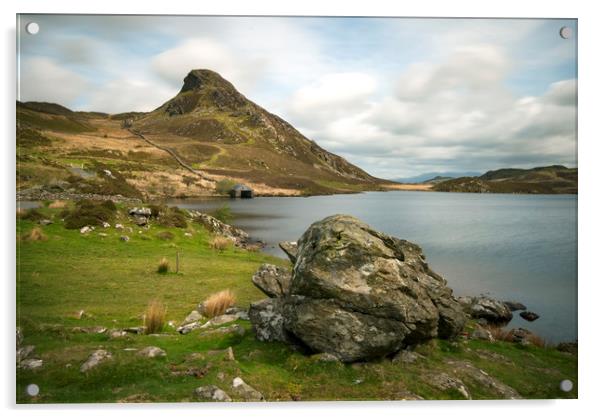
x: 238, y: 237
x: 483, y: 307
x: 357, y: 293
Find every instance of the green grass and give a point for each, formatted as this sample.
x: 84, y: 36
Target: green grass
x: 113, y: 282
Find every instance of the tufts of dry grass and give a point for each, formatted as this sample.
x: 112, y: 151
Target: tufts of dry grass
x: 154, y: 317
x: 36, y: 234
x: 217, y: 303
x: 220, y: 243
x: 57, y: 204
x: 163, y: 266
x: 500, y: 334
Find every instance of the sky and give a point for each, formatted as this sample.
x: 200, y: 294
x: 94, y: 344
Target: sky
x: 395, y: 96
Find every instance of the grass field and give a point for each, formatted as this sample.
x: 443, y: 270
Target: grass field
x: 113, y: 281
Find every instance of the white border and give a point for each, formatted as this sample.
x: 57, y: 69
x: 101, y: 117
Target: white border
x: 589, y: 208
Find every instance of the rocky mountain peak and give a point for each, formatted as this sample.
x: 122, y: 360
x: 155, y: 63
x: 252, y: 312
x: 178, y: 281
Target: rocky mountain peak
x: 201, y: 78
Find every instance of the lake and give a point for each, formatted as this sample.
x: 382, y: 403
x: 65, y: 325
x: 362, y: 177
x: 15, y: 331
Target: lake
x: 511, y: 247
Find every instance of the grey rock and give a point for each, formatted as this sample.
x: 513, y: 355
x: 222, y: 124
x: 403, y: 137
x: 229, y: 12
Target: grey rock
x: 140, y: 220
x: 211, y: 393
x: 234, y: 330
x: 86, y: 229
x: 489, y: 309
x: 124, y: 238
x: 481, y: 333
x: 514, y: 306
x: 31, y: 364
x: 267, y: 318
x: 118, y: 226
x: 325, y: 357
x: 529, y: 316
x: 24, y: 352
x: 248, y: 393
x: 116, y: 334
x: 469, y: 371
x: 96, y: 358
x: 215, y: 226
x: 193, y: 316
x: 272, y: 280
x: 186, y: 329
x: 144, y: 212
x: 291, y: 249
x: 135, y: 330
x: 358, y: 293
x: 407, y: 357
x: 152, y: 352
x: 219, y: 320
x: 519, y: 335
x: 45, y: 222
x: 444, y: 381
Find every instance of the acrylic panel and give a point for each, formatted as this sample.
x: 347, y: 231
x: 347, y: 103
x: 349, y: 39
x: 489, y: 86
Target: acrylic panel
x: 219, y: 209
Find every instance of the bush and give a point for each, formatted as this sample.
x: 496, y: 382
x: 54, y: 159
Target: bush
x: 223, y: 214
x: 173, y: 217
x: 163, y: 266
x: 224, y: 186
x: 165, y: 235
x: 154, y: 317
x: 110, y: 205
x: 87, y: 212
x: 217, y: 303
x: 220, y: 243
x: 32, y: 215
x: 156, y: 210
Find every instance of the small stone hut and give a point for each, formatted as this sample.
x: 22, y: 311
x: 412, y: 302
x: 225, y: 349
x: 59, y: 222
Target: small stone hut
x: 241, y: 191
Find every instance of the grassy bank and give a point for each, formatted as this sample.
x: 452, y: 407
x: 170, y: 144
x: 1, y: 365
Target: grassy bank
x: 112, y: 281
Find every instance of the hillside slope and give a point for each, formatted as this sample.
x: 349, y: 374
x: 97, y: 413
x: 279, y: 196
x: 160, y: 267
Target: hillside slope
x: 555, y: 179
x: 208, y: 136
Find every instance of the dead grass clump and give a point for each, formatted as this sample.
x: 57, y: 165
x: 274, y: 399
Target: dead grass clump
x: 36, y: 234
x: 57, y: 204
x: 500, y: 334
x: 154, y: 317
x: 163, y: 266
x: 217, y: 303
x: 220, y: 243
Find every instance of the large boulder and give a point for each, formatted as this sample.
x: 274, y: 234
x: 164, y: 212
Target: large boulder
x: 357, y: 293
x: 272, y: 280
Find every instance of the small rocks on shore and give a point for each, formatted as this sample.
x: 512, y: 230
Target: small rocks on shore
x: 529, y: 316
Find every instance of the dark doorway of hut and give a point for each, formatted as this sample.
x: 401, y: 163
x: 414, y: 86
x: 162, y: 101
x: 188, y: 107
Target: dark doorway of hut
x: 241, y: 191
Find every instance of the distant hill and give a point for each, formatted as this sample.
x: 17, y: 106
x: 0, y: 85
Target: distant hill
x: 555, y: 179
x: 205, y: 138
x: 429, y: 177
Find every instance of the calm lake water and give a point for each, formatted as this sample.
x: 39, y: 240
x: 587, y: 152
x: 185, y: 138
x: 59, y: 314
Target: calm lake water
x: 511, y: 247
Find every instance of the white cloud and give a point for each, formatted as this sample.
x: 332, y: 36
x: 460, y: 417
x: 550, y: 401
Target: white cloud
x: 44, y: 80
x: 456, y: 113
x: 127, y: 94
x: 173, y: 64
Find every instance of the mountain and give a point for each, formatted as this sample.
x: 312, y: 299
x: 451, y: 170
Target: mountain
x: 207, y: 137
x: 554, y: 179
x: 429, y: 177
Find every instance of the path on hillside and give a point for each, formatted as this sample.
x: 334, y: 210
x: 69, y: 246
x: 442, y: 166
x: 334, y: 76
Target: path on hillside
x: 173, y: 154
